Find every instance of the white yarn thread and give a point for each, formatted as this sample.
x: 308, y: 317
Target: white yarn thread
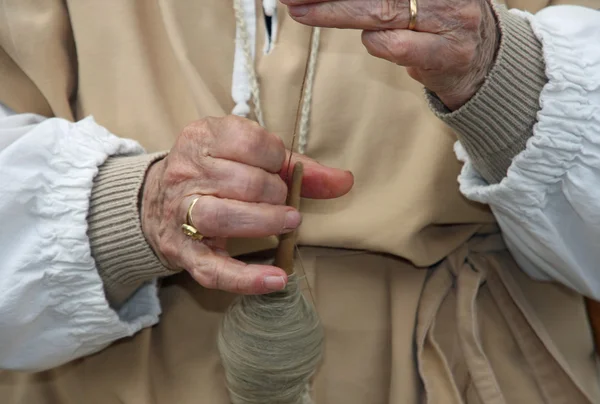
x: 240, y: 86
x: 308, y: 91
x: 246, y: 15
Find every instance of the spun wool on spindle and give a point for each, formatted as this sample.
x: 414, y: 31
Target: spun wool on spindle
x: 270, y: 347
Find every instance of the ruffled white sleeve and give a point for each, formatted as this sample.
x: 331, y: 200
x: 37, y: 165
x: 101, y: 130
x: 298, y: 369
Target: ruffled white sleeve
x: 52, y: 304
x: 548, y: 205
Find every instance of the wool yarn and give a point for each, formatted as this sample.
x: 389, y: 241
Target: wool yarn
x: 270, y: 347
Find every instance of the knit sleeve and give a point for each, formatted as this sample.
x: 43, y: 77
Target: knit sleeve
x: 123, y: 257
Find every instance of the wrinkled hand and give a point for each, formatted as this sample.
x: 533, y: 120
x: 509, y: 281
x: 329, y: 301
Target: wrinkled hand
x: 235, y: 167
x: 450, y: 51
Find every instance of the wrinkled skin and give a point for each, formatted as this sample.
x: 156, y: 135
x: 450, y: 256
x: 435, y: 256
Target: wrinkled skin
x: 235, y: 167
x: 450, y: 51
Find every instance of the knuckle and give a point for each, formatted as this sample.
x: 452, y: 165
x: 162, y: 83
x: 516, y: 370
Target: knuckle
x: 252, y: 142
x: 466, y: 56
x: 232, y: 120
x: 470, y: 17
x: 376, y: 44
x: 279, y: 143
x: 196, y: 137
x: 372, y: 51
x: 237, y: 126
x: 401, y: 51
x: 196, y: 129
x: 368, y: 41
x: 279, y: 146
x: 176, y: 173
x: 415, y: 74
x: 188, y: 132
x: 389, y: 11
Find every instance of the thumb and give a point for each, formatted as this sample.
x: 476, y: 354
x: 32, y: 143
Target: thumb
x: 319, y: 181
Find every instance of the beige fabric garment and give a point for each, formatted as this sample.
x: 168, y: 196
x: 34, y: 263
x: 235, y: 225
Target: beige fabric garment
x: 146, y: 68
x: 368, y: 304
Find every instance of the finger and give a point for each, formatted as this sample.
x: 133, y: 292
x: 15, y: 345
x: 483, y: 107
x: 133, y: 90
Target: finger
x: 218, y: 271
x: 216, y: 217
x: 246, y: 142
x: 412, y: 49
x: 319, y: 181
x: 232, y: 180
x: 357, y: 14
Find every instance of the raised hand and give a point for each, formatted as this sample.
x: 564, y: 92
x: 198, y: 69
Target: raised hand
x: 450, y: 50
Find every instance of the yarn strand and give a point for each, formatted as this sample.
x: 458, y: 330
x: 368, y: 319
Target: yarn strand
x: 301, y: 262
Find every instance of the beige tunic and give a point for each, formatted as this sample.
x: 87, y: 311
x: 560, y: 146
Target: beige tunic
x: 427, y: 309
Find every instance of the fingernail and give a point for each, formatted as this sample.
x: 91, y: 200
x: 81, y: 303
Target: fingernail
x: 274, y: 282
x: 298, y: 11
x: 292, y: 220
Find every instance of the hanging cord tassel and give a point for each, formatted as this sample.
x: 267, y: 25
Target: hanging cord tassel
x: 249, y: 60
x: 240, y: 83
x: 270, y: 7
x: 308, y: 91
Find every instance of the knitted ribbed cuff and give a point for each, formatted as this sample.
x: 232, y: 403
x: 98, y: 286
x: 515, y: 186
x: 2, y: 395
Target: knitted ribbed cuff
x: 496, y: 123
x: 123, y: 257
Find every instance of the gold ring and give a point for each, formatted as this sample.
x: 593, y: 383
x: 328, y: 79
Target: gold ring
x: 414, y: 10
x: 188, y: 228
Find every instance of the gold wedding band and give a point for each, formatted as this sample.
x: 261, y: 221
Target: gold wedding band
x: 414, y: 10
x: 188, y: 228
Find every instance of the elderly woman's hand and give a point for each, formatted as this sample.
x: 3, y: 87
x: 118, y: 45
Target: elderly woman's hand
x: 235, y: 168
x: 450, y: 51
